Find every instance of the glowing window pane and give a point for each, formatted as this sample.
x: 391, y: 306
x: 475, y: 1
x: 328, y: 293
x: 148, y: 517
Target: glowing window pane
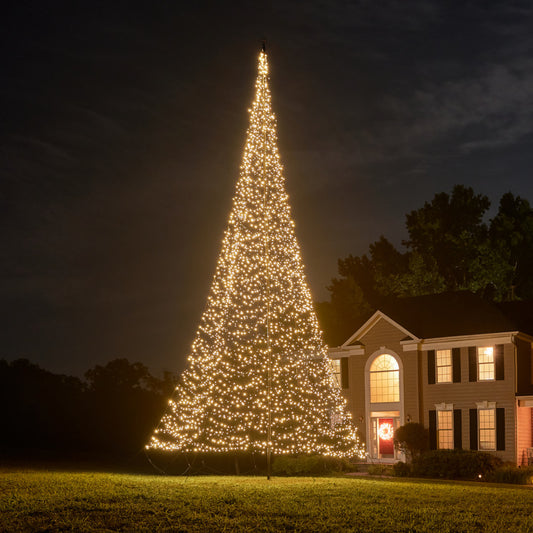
x: 485, y: 360
x: 487, y: 429
x: 384, y: 380
x: 336, y: 370
x: 444, y: 366
x: 445, y: 429
x: 384, y: 362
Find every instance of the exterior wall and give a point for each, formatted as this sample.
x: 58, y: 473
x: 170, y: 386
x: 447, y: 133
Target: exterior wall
x: 524, y: 433
x: 466, y: 394
x: 382, y: 336
x: 355, y: 393
x: 418, y: 397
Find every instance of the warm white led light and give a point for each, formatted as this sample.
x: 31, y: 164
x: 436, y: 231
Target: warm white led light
x: 258, y: 360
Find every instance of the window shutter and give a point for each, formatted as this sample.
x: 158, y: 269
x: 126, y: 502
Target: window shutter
x: 473, y: 429
x: 456, y: 360
x: 431, y: 367
x: 457, y: 430
x: 345, y: 383
x: 432, y: 430
x: 472, y: 364
x: 499, y: 361
x: 500, y: 428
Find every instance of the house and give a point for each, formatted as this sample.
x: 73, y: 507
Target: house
x: 455, y: 362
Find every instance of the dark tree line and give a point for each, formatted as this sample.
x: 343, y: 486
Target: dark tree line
x: 109, y: 414
x: 449, y: 247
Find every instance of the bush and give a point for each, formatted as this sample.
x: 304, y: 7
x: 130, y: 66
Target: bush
x: 380, y: 470
x: 400, y: 469
x: 455, y: 464
x: 412, y: 439
x: 512, y: 474
x: 309, y: 465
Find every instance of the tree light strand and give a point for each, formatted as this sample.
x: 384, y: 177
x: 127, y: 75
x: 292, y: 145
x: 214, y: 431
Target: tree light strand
x: 259, y: 316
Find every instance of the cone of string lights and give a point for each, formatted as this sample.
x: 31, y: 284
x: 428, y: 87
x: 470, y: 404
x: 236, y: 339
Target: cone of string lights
x: 258, y: 378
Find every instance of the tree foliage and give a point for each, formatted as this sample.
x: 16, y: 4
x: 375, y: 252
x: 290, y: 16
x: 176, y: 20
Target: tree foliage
x: 450, y: 246
x: 113, y: 412
x: 412, y: 439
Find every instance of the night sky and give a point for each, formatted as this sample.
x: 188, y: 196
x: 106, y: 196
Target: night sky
x: 122, y: 128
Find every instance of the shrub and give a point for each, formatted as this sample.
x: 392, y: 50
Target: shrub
x: 512, y: 474
x: 309, y: 465
x: 401, y: 469
x: 455, y: 464
x: 380, y: 470
x: 412, y: 439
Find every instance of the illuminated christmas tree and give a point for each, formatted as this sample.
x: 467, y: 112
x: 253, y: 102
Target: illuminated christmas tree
x: 259, y: 378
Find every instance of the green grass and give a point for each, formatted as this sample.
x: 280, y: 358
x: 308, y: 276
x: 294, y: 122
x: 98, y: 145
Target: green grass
x: 83, y: 501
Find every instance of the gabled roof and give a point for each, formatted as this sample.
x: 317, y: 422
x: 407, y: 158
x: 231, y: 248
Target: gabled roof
x: 520, y: 313
x: 372, y: 321
x: 451, y: 314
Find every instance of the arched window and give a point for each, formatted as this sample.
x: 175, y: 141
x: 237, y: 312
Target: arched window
x: 384, y: 379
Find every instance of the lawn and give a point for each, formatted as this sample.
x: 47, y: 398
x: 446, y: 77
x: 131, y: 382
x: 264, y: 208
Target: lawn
x: 88, y: 501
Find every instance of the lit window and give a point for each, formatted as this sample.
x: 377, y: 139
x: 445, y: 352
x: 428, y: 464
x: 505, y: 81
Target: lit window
x: 336, y: 370
x: 444, y: 366
x: 445, y: 429
x: 487, y: 429
x: 384, y: 380
x: 485, y: 363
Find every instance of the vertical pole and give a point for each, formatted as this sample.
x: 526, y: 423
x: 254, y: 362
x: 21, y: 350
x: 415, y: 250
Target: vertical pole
x: 269, y: 359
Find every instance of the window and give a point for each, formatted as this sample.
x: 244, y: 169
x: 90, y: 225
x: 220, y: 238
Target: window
x: 336, y: 370
x: 444, y: 366
x: 487, y: 429
x: 485, y: 363
x: 384, y: 379
x: 445, y: 429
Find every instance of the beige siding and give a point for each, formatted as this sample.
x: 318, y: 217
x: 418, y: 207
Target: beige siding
x: 385, y: 335
x: 466, y: 394
x: 419, y: 397
x: 382, y: 335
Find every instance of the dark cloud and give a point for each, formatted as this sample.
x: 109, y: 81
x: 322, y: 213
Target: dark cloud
x: 123, y: 126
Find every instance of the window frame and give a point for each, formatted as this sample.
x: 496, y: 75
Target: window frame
x: 336, y: 371
x: 448, y: 431
x: 493, y: 429
x: 486, y: 364
x: 373, y: 384
x: 449, y: 366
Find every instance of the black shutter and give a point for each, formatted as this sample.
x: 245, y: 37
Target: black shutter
x: 499, y: 360
x: 433, y: 430
x: 472, y: 363
x: 431, y: 367
x: 456, y: 360
x: 457, y: 429
x: 500, y: 428
x: 345, y: 383
x: 473, y: 429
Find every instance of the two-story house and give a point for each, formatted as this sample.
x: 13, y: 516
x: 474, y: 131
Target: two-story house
x: 455, y: 362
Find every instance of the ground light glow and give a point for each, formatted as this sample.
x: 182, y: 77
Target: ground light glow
x: 258, y: 363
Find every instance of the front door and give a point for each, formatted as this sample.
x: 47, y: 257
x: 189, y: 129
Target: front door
x: 383, y: 437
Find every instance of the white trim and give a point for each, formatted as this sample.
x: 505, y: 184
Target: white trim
x: 444, y: 406
x: 525, y: 401
x: 524, y: 336
x: 410, y: 346
x: 371, y: 322
x: 486, y: 405
x: 462, y: 341
x: 340, y: 351
x: 393, y: 406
